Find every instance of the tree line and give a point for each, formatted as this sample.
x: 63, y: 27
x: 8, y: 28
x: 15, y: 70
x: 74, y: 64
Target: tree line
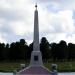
x: 50, y: 51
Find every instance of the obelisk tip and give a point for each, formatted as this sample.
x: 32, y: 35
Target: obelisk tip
x: 36, y: 6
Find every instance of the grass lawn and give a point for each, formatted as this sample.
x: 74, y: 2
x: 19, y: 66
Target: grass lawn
x: 62, y: 66
x: 8, y: 67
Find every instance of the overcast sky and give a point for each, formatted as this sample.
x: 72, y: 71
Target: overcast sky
x: 56, y: 20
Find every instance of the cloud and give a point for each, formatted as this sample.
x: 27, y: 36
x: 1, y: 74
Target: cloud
x: 55, y: 19
x: 15, y: 18
x: 2, y: 39
x: 57, y: 24
x: 20, y: 28
x: 69, y: 38
x: 56, y: 5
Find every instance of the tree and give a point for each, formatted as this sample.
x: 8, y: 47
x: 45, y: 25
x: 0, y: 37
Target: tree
x: 24, y: 49
x: 2, y: 50
x: 22, y: 42
x: 54, y: 53
x: 6, y: 52
x: 71, y: 51
x: 45, y: 48
x: 12, y: 51
x: 30, y: 50
x: 19, y: 50
x: 62, y: 50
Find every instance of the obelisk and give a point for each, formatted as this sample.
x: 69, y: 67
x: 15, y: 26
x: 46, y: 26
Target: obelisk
x: 36, y: 66
x: 36, y: 56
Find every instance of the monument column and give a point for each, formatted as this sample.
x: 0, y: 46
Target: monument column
x: 36, y: 56
x: 36, y: 66
x: 36, y: 31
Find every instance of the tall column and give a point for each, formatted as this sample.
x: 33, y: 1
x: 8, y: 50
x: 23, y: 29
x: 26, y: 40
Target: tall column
x: 36, y: 56
x: 36, y: 31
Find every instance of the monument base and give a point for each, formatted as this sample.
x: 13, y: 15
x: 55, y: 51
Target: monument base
x: 36, y: 59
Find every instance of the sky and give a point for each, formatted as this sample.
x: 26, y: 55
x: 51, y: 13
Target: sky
x: 56, y: 20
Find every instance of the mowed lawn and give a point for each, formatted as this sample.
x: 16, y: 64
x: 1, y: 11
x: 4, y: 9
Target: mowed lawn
x: 8, y: 67
x: 62, y: 66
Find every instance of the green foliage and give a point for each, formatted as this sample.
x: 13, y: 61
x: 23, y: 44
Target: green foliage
x: 21, y: 51
x: 18, y: 50
x: 45, y: 48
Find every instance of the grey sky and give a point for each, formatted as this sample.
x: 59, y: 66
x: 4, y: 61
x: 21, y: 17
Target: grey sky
x: 56, y: 19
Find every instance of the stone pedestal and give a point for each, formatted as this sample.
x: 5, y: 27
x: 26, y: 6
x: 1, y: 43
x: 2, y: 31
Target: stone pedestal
x: 36, y: 58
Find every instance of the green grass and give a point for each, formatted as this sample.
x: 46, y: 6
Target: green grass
x: 62, y: 66
x: 9, y: 67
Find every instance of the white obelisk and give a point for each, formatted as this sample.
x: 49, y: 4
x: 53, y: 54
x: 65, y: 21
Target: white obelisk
x: 36, y: 56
